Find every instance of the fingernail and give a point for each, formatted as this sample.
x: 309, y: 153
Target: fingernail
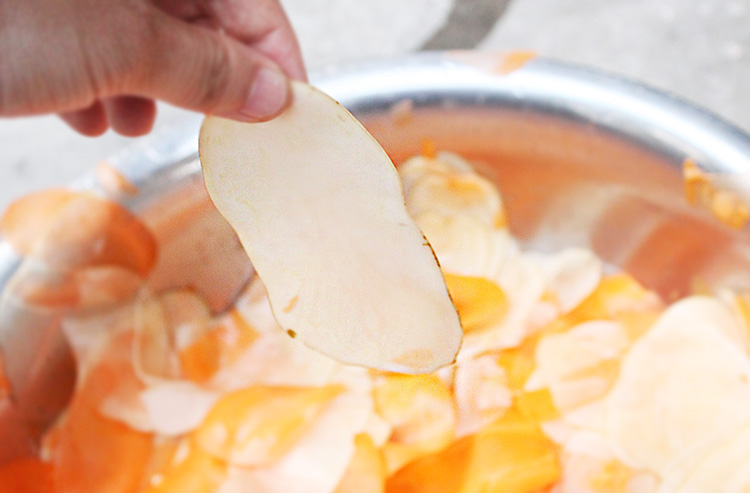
x: 267, y: 95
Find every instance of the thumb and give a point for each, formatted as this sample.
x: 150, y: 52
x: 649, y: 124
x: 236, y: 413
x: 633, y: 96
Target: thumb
x: 204, y: 70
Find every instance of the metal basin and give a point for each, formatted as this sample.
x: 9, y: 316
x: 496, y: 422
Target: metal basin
x: 582, y: 158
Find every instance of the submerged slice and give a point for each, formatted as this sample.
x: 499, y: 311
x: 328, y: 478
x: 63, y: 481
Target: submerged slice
x: 318, y: 206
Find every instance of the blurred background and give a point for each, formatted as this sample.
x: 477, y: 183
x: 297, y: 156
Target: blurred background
x: 697, y: 49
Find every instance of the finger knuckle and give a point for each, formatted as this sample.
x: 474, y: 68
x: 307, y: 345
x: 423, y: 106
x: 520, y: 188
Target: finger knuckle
x: 114, y: 64
x: 146, y: 49
x: 217, y: 69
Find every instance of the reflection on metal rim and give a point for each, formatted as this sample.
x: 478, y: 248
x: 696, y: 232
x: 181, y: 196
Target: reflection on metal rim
x: 647, y: 117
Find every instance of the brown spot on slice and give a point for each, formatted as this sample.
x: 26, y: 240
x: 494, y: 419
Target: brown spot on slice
x: 291, y: 304
x: 417, y: 358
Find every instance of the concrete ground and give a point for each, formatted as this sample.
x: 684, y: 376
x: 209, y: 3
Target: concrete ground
x: 698, y: 49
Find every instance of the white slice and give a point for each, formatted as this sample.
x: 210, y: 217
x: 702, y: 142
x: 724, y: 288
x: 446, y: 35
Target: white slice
x: 682, y: 383
x: 573, y: 274
x: 177, y: 407
x: 318, y: 460
x: 482, y: 393
x: 718, y: 465
x: 447, y: 185
x: 318, y: 206
x: 566, y: 363
x: 466, y: 246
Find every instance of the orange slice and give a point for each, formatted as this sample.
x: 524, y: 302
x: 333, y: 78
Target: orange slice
x: 421, y: 413
x: 480, y: 302
x: 482, y: 393
x: 78, y: 229
x: 94, y: 453
x: 217, y: 348
x: 25, y: 219
x: 26, y: 475
x: 366, y: 471
x: 255, y: 426
x: 512, y: 455
x: 616, y: 296
x: 192, y: 470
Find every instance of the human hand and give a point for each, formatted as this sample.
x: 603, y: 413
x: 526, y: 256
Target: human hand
x: 102, y: 63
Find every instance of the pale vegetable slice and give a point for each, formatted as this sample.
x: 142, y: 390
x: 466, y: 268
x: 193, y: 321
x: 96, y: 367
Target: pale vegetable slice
x: 273, y: 358
x: 720, y: 465
x: 421, y: 412
x: 481, y: 392
x: 276, y: 360
x: 590, y: 467
x: 366, y: 471
x: 177, y: 407
x: 254, y: 308
x: 464, y: 245
x: 480, y: 302
x: 153, y: 358
x: 438, y: 186
x: 525, y: 284
x: 317, y: 461
x: 468, y: 247
x: 680, y: 384
x: 255, y: 426
x: 573, y: 274
x: 579, y: 365
x: 740, y: 308
x: 318, y: 206
x: 227, y: 339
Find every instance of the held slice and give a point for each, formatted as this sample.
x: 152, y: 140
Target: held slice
x: 319, y: 208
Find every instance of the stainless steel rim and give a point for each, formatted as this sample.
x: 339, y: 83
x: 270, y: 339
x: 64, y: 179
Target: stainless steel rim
x: 667, y: 124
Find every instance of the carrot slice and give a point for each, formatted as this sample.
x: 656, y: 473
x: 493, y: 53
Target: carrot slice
x: 28, y: 475
x: 366, y: 471
x: 421, y: 412
x: 92, y: 231
x: 95, y: 453
x: 26, y: 218
x: 217, y: 347
x: 615, y: 296
x: 512, y: 455
x: 78, y: 229
x: 537, y: 405
x: 197, y: 472
x: 255, y: 426
x: 480, y: 302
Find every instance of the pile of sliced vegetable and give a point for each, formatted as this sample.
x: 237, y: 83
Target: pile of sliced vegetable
x: 568, y: 378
